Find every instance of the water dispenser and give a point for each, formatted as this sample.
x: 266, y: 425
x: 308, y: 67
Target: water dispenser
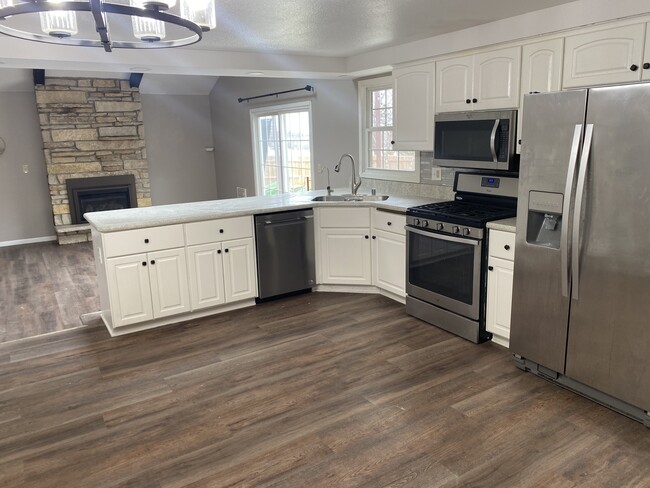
x: 544, y: 219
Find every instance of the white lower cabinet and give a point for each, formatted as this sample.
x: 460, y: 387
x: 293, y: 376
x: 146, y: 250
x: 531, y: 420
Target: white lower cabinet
x: 389, y: 262
x: 239, y: 269
x: 147, y: 286
x: 499, y: 285
x: 205, y: 270
x: 345, y: 256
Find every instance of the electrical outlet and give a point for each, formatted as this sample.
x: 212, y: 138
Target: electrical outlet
x: 241, y: 192
x: 25, y: 168
x: 319, y: 168
x: 436, y: 173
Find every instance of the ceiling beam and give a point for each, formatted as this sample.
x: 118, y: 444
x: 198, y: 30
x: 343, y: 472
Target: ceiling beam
x: 39, y: 76
x: 135, y: 79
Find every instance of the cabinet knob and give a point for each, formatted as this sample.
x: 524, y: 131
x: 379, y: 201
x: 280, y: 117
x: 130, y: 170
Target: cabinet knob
x: 220, y: 231
x: 374, y: 237
x: 144, y: 263
x: 146, y: 241
x: 507, y: 247
x: 634, y: 67
x: 153, y: 261
x: 468, y: 101
x: 474, y: 100
x: 366, y: 237
x: 225, y: 250
x: 389, y: 223
x: 646, y: 65
x: 218, y: 251
x: 392, y: 142
x: 490, y: 268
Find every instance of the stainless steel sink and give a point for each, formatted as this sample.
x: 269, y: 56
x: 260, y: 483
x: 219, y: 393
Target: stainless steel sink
x: 350, y: 198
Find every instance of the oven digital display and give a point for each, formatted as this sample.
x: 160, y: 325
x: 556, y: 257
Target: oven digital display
x: 490, y: 182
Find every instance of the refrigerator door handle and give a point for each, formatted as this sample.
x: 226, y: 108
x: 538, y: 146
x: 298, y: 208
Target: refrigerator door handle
x: 566, y: 205
x: 493, y: 137
x: 580, y: 190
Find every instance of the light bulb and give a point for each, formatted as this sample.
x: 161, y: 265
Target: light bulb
x: 201, y: 12
x: 147, y: 29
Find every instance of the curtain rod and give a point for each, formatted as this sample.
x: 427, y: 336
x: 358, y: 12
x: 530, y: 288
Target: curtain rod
x: 306, y: 88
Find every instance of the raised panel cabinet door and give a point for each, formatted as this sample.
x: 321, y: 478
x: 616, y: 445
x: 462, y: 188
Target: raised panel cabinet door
x: 604, y: 57
x: 239, y: 272
x: 129, y: 289
x: 454, y: 84
x: 413, y: 100
x: 168, y: 275
x: 499, y: 299
x: 346, y: 256
x: 496, y: 79
x: 645, y: 76
x: 205, y: 272
x: 389, y: 262
x: 541, y: 72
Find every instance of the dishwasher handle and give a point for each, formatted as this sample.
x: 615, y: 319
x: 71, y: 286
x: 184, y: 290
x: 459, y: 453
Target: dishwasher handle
x: 285, y: 221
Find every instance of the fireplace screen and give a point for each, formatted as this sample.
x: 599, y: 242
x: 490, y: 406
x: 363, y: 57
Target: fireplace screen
x: 100, y: 193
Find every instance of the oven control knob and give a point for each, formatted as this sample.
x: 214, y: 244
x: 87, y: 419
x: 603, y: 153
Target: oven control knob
x: 455, y: 229
x: 417, y: 221
x: 466, y: 231
x: 425, y: 223
x: 440, y: 226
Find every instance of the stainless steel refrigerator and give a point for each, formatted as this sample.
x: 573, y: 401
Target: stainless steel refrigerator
x: 581, y: 297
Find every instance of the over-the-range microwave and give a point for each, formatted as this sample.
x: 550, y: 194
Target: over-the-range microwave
x: 480, y: 140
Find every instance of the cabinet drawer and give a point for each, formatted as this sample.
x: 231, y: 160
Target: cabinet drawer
x: 345, y: 217
x: 218, y: 230
x: 388, y: 221
x: 143, y: 240
x: 502, y: 244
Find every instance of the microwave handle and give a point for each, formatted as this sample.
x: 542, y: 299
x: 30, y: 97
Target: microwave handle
x: 493, y: 138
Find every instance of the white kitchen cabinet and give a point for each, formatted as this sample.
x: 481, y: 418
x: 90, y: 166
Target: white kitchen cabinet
x: 147, y: 286
x: 205, y: 270
x: 413, y: 99
x: 541, y: 72
x: 239, y: 269
x: 605, y: 56
x: 389, y: 261
x: 499, y: 285
x: 345, y: 256
x: 645, y: 75
x: 483, y: 81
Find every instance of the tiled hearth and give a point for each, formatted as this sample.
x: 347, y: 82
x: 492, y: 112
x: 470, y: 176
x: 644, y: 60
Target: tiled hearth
x: 90, y: 127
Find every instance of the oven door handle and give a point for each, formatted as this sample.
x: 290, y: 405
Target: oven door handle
x: 443, y: 237
x: 493, y: 138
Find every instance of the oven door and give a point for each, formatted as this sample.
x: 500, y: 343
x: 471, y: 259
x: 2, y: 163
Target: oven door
x: 444, y: 271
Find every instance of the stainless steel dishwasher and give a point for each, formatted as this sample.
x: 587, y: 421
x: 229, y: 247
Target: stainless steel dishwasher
x: 285, y: 252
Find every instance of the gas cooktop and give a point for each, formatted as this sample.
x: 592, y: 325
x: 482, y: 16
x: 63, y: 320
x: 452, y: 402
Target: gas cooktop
x: 464, y: 213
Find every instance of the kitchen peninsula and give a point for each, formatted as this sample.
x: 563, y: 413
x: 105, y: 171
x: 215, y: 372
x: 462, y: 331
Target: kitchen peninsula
x: 165, y: 264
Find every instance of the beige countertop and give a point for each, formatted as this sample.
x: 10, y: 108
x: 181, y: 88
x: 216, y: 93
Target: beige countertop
x: 142, y: 217
x: 507, y: 225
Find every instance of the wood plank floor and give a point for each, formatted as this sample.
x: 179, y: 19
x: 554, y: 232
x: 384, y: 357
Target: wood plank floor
x: 45, y: 288
x: 318, y: 390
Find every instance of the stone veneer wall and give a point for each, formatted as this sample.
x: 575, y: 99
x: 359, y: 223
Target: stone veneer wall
x: 90, y: 127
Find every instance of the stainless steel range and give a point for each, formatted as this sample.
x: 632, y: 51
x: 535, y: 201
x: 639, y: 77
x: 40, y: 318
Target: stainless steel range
x: 446, y: 253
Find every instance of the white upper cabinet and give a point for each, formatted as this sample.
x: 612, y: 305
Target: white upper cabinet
x: 604, y: 57
x: 541, y: 72
x: 413, y: 107
x: 483, y: 81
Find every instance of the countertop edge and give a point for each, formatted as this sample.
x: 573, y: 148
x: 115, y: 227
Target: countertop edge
x: 506, y: 225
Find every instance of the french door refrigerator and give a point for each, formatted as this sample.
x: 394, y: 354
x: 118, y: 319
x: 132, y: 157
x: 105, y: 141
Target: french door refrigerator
x: 581, y: 293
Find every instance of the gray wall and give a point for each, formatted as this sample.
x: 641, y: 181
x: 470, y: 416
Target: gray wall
x: 177, y: 131
x: 25, y: 209
x: 334, y: 122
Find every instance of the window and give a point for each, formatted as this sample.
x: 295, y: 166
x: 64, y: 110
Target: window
x: 282, y: 148
x: 378, y: 158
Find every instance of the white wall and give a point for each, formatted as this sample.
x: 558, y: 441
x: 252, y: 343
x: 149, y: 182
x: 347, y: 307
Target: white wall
x: 25, y: 209
x: 177, y: 131
x: 334, y: 122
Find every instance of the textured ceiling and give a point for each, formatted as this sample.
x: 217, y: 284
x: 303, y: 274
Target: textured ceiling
x: 348, y: 27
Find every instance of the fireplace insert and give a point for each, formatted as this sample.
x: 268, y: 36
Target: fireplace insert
x: 99, y: 193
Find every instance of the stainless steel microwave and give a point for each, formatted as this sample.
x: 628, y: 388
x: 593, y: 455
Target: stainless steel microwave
x: 480, y: 140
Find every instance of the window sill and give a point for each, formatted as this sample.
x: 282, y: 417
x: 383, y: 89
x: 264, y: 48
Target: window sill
x: 403, y: 176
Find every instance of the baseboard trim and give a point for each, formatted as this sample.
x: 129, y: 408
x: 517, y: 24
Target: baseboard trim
x: 33, y: 240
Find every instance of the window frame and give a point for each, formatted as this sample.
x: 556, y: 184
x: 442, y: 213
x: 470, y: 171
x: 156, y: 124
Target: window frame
x: 364, y: 87
x: 302, y: 106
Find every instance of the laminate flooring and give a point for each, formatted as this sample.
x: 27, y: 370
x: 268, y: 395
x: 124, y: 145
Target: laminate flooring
x: 45, y: 288
x: 317, y: 390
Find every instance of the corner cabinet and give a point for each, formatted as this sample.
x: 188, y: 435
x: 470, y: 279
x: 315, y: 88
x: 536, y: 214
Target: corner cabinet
x: 483, y: 81
x: 606, y: 56
x: 541, y: 72
x: 499, y: 285
x: 413, y: 99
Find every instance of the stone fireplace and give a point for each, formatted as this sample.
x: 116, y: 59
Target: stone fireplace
x: 91, y: 128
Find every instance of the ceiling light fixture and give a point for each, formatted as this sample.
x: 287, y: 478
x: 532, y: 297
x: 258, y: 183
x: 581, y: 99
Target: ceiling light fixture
x: 79, y: 22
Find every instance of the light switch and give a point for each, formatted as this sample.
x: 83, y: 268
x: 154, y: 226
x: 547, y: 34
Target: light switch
x: 25, y: 168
